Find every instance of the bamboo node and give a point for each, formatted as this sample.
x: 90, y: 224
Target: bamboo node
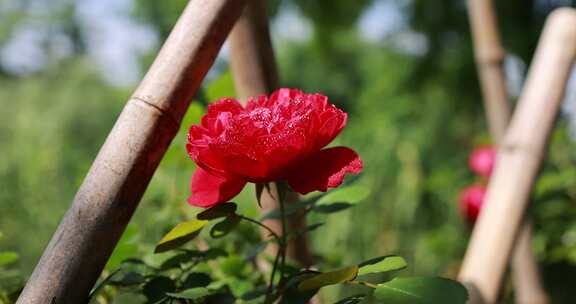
x: 517, y: 147
x: 144, y: 102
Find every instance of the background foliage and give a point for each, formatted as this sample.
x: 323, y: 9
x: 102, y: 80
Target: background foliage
x: 415, y: 114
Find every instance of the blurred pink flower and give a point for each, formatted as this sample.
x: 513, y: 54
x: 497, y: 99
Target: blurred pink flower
x: 482, y: 160
x: 471, y: 199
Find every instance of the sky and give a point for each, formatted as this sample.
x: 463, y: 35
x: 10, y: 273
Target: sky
x: 115, y: 41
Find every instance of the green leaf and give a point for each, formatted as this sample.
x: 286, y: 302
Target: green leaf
x: 421, y: 290
x: 191, y: 293
x: 382, y: 264
x: 177, y: 261
x: 355, y: 299
x: 352, y: 194
x: 233, y: 266
x: 255, y: 294
x: 224, y: 227
x: 180, y: 235
x: 333, y: 207
x: 8, y: 257
x: 157, y: 288
x: 329, y: 278
x: 196, y: 279
x: 289, y: 209
x: 218, y: 211
x: 306, y: 229
x: 128, y: 279
x: 294, y: 296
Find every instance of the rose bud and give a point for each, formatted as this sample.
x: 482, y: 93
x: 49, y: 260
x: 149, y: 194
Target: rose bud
x: 274, y: 138
x: 482, y: 160
x: 471, y: 199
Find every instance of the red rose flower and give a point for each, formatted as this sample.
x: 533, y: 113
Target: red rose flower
x: 482, y: 160
x: 471, y: 199
x: 273, y: 138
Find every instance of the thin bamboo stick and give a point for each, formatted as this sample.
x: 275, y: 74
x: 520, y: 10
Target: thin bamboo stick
x: 525, y: 272
x: 519, y: 158
x: 489, y: 60
x: 126, y: 162
x: 489, y: 55
x: 255, y: 73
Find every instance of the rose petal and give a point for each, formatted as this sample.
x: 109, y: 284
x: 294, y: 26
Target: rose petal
x: 334, y: 120
x: 325, y: 169
x: 219, y: 113
x: 209, y: 190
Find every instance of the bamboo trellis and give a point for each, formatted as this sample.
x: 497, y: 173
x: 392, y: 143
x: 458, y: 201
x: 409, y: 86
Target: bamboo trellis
x: 126, y: 162
x: 520, y: 155
x: 489, y: 55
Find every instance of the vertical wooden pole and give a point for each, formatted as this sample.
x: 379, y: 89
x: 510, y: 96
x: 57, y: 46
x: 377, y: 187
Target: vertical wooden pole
x: 489, y: 55
x: 255, y: 73
x: 519, y: 158
x: 124, y: 166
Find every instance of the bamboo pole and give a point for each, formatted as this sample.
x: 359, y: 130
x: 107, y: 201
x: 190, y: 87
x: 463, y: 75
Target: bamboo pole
x: 124, y: 166
x: 519, y: 158
x: 525, y: 271
x: 255, y: 73
x: 489, y: 55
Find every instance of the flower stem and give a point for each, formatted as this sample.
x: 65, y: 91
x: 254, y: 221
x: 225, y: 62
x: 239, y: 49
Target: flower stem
x: 282, y: 239
x: 274, y: 234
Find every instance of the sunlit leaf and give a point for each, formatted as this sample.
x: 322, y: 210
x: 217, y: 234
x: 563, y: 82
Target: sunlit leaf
x: 180, y: 235
x: 8, y: 257
x: 382, y: 264
x: 293, y: 295
x: 225, y: 226
x: 329, y: 278
x: 218, y: 211
x: 191, y: 293
x: 421, y: 290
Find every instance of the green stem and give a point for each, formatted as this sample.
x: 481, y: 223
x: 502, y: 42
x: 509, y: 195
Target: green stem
x: 274, y: 234
x: 284, y: 235
x: 280, y: 259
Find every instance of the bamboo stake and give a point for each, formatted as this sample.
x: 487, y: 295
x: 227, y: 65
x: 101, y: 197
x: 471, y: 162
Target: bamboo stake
x: 519, y: 158
x: 489, y: 60
x: 255, y: 73
x: 124, y: 166
x: 489, y: 55
x: 525, y: 272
